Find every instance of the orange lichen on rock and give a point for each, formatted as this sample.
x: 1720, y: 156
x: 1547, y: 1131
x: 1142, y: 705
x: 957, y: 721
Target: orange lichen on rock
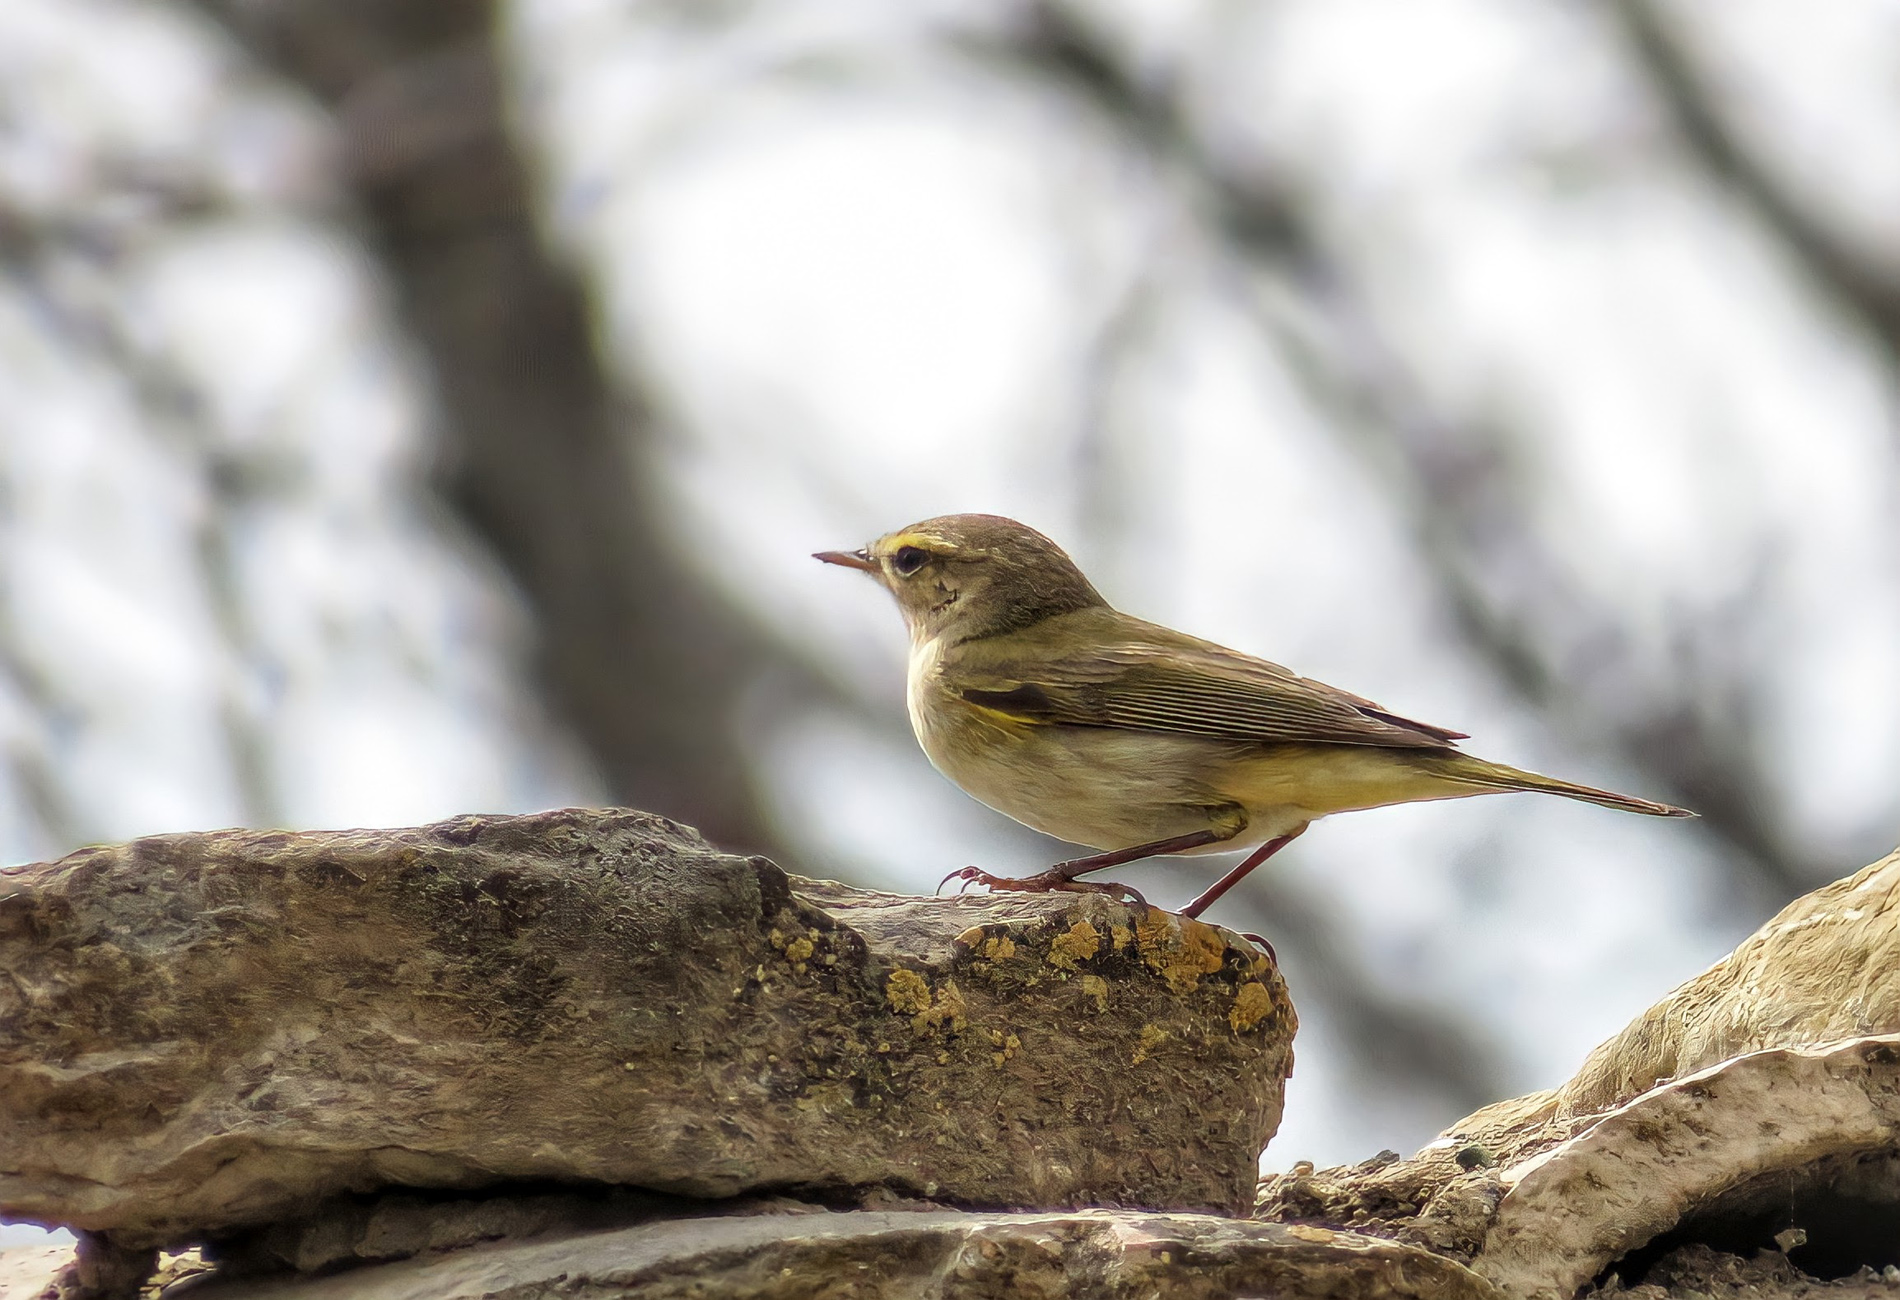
x: 1252, y: 1004
x: 1074, y: 946
x: 949, y: 1009
x: 1179, y: 950
x: 907, y: 992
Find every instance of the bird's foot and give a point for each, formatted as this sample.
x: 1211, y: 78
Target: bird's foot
x: 1043, y: 882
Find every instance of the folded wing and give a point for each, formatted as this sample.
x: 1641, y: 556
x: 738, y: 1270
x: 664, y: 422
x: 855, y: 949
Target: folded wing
x: 1188, y: 687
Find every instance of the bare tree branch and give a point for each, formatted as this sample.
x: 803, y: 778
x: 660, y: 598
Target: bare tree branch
x: 30, y: 249
x: 1868, y: 288
x: 545, y: 459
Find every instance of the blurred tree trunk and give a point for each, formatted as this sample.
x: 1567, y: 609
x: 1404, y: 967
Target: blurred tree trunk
x: 543, y: 453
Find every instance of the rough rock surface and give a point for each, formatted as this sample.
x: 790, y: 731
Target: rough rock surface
x: 202, y: 1032
x: 1698, y: 1272
x: 1760, y: 1121
x: 1778, y: 1063
x: 914, y: 1254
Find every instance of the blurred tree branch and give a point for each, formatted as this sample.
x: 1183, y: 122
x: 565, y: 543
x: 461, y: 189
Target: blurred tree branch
x: 1693, y: 737
x: 1866, y: 286
x: 545, y: 459
x: 60, y: 263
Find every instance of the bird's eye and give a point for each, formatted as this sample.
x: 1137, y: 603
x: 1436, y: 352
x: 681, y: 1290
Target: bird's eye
x: 908, y: 560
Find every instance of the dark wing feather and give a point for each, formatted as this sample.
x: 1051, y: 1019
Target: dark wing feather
x: 1196, y: 690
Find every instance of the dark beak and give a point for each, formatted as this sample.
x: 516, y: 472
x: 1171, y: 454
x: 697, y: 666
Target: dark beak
x: 849, y: 559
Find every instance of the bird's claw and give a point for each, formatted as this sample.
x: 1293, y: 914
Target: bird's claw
x: 1260, y: 942
x: 970, y: 876
x: 1127, y: 893
x: 1045, y: 882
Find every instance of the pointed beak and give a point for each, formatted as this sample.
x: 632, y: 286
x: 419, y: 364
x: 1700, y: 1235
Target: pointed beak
x: 849, y: 559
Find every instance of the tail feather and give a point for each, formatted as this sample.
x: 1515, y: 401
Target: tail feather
x: 1470, y: 770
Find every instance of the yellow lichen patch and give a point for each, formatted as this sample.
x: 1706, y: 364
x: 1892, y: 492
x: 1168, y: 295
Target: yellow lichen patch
x: 799, y: 949
x: 1006, y: 1045
x: 1155, y: 933
x: 1096, y: 987
x: 1179, y: 953
x: 1251, y: 1005
x: 949, y: 1009
x: 1152, y: 1036
x: 1001, y: 948
x: 1120, y: 936
x: 1074, y: 946
x: 907, y: 992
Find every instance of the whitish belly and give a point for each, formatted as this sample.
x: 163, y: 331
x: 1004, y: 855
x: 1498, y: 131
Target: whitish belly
x: 1106, y: 789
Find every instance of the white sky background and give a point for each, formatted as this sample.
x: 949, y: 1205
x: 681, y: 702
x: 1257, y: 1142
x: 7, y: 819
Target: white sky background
x: 256, y: 570
x: 864, y: 278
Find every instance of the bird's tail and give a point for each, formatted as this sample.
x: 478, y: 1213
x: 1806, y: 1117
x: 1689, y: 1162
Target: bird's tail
x: 1467, y: 769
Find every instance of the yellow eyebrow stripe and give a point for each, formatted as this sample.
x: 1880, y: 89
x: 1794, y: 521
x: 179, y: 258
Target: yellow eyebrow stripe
x: 922, y: 541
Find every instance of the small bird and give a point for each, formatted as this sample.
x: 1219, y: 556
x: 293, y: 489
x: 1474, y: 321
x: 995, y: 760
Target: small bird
x: 1033, y: 694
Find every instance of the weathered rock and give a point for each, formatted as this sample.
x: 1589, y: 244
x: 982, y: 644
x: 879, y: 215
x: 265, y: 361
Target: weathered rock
x: 1762, y: 1126
x: 1697, y: 1272
x: 203, y: 1032
x: 911, y: 1254
x: 1774, y: 1071
x: 356, y: 1230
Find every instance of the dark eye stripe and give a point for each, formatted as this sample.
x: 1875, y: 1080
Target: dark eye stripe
x: 908, y: 560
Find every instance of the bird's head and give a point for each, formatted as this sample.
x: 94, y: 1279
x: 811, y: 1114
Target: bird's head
x: 971, y: 576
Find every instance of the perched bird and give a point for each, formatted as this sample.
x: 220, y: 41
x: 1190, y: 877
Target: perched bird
x: 1032, y: 693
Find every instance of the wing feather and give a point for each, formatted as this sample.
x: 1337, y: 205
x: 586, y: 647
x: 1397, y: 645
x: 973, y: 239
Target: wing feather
x: 1190, y: 688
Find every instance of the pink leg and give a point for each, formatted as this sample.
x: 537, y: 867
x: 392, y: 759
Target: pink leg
x: 1063, y: 874
x: 1239, y: 873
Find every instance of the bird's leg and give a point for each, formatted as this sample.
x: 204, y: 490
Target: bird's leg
x: 1063, y: 875
x: 1213, y: 892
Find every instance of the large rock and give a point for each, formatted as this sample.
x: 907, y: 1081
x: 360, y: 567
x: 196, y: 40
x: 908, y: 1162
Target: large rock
x: 915, y: 1255
x: 204, y: 1032
x: 1761, y: 1137
x: 1760, y: 1097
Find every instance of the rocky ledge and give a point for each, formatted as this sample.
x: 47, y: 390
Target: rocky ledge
x: 201, y: 1035
x: 583, y: 1054
x: 1748, y: 1124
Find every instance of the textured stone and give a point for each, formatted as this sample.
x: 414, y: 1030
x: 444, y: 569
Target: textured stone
x: 1775, y: 1063
x: 1757, y: 1121
x: 204, y: 1032
x: 916, y: 1255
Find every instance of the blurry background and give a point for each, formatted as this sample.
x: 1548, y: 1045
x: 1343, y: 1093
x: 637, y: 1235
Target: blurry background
x: 418, y: 408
